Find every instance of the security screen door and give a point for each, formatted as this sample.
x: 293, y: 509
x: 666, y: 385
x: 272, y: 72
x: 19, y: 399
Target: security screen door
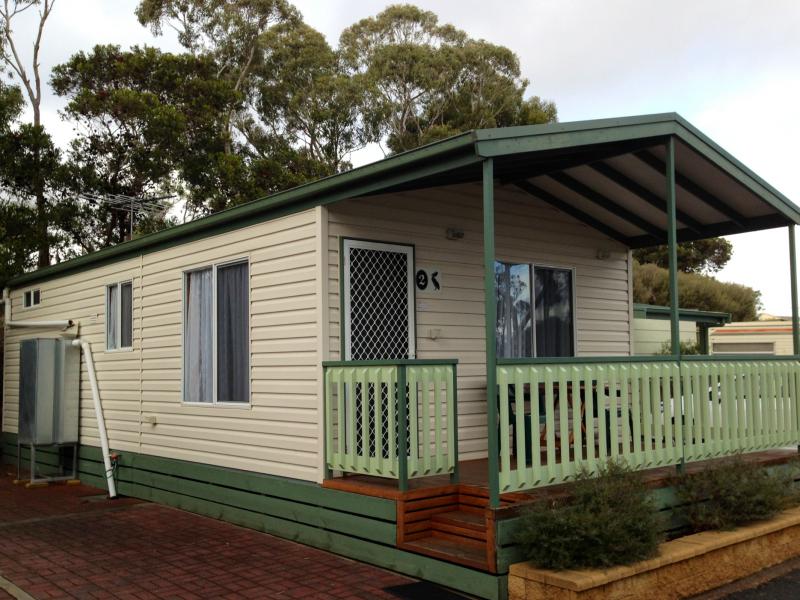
x: 378, y: 323
x: 378, y: 296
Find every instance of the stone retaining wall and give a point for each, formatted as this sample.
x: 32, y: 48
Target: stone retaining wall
x: 684, y: 567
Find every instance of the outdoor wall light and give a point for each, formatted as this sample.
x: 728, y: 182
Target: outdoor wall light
x: 603, y: 254
x: 455, y: 234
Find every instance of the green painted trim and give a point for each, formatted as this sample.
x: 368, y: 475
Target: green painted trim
x: 402, y: 416
x: 693, y: 188
x: 342, y: 316
x: 370, y: 179
x: 643, y: 193
x: 582, y: 360
x: 439, y: 158
x: 455, y: 476
x: 793, y: 279
x: 490, y: 314
x: 390, y: 363
x: 672, y: 248
x: 567, y: 208
x: 606, y: 204
x: 653, y: 311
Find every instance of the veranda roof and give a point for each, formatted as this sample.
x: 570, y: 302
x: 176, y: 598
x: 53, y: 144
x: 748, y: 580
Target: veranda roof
x: 608, y: 173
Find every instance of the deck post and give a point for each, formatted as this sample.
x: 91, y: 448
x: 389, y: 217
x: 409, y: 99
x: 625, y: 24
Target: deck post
x: 402, y: 436
x: 672, y: 249
x: 490, y: 306
x: 793, y: 279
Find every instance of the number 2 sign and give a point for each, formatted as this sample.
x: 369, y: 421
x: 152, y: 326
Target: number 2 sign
x: 429, y: 280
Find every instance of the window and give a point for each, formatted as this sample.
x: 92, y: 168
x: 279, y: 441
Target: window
x: 216, y: 362
x: 535, y: 313
x: 31, y: 298
x: 119, y: 316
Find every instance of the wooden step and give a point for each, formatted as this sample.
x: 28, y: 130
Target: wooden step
x: 451, y: 550
x: 460, y: 523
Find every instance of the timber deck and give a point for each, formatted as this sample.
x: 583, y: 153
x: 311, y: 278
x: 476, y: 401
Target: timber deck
x: 453, y: 521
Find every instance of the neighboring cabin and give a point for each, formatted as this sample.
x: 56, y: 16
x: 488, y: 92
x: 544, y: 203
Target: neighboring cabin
x: 651, y: 327
x: 770, y: 337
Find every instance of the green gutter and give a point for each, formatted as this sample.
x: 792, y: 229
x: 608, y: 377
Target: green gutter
x: 433, y: 159
x: 653, y: 311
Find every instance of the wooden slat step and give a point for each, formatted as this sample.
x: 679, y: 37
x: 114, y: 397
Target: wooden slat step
x: 450, y: 550
x: 468, y: 535
x: 462, y: 520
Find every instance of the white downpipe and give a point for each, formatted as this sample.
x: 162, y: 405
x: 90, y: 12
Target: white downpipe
x: 64, y: 324
x: 98, y: 413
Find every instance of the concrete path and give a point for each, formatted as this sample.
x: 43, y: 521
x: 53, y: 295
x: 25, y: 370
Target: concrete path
x: 71, y: 542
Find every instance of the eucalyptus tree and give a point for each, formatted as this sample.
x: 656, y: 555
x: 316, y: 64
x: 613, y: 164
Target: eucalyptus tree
x: 37, y: 157
x: 423, y: 80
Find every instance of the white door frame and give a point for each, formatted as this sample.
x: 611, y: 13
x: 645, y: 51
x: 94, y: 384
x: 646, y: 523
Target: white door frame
x: 347, y: 245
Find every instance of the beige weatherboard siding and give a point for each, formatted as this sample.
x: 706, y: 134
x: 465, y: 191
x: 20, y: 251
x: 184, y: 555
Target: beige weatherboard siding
x: 278, y: 433
x: 650, y: 335
x: 527, y: 230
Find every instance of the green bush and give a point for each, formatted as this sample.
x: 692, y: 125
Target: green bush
x: 686, y: 348
x: 733, y: 493
x: 608, y: 520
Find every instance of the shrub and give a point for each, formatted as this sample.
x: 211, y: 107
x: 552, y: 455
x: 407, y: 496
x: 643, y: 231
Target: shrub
x: 733, y: 493
x: 608, y: 520
x: 686, y: 348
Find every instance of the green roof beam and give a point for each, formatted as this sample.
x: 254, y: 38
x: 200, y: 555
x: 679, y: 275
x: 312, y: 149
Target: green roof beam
x: 693, y: 188
x: 605, y: 203
x: 554, y: 201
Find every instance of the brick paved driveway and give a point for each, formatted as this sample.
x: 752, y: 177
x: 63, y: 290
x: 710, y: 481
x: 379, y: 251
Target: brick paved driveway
x: 69, y: 542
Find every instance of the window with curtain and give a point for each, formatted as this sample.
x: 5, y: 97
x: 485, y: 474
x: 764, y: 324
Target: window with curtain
x: 216, y: 361
x: 554, y: 312
x: 535, y: 312
x: 119, y: 316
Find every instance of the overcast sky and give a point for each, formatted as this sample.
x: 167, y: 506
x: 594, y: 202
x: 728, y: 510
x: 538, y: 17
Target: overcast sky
x: 732, y: 67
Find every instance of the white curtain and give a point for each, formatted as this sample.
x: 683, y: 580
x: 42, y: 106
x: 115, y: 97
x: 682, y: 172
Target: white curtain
x: 198, y: 367
x: 233, y: 365
x: 111, y: 317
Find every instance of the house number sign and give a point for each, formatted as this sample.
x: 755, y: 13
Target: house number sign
x: 429, y: 280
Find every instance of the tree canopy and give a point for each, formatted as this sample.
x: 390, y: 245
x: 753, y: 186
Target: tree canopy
x: 702, y: 292
x: 421, y: 80
x: 702, y: 256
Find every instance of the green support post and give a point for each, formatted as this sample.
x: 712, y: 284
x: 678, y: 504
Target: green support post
x: 402, y: 438
x: 454, y: 476
x: 793, y: 278
x: 672, y: 248
x: 672, y: 242
x: 491, y: 334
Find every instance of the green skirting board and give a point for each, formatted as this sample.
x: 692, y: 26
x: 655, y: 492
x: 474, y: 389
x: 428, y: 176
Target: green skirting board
x: 356, y: 526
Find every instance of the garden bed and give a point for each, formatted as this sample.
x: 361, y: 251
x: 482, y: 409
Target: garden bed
x: 684, y: 567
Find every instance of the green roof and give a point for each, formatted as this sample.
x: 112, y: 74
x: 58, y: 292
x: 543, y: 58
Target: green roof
x: 520, y: 153
x: 654, y: 311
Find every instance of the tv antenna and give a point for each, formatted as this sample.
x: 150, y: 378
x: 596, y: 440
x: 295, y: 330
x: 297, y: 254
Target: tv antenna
x: 130, y: 204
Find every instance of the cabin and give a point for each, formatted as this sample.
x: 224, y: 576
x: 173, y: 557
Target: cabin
x: 389, y: 362
x: 651, y: 328
x: 765, y: 336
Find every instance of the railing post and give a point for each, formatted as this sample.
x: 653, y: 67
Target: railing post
x: 326, y: 426
x: 793, y: 279
x: 454, y: 425
x: 490, y: 309
x: 402, y: 434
